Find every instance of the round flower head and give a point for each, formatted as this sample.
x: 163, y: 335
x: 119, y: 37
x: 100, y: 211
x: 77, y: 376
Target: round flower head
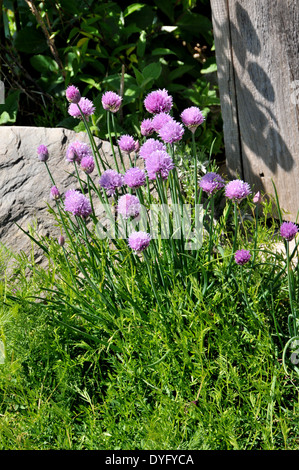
x: 110, y: 180
x: 42, y: 153
x: 211, y: 182
x: 139, y: 241
x: 146, y: 127
x: 134, y: 177
x: 73, y: 94
x: 61, y: 240
x: 288, y: 230
x: 54, y: 193
x: 242, y: 257
x: 128, y: 206
x: 126, y: 143
x: 111, y: 101
x: 192, y: 118
x: 149, y: 146
x: 77, y: 150
x: 158, y: 102
x: 237, y: 190
x: 171, y: 132
x: 158, y: 163
x: 86, y: 107
x: 76, y: 203
x: 159, y: 120
x: 87, y: 164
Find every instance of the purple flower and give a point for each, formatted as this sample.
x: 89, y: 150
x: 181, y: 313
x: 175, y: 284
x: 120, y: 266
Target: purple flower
x: 110, y: 180
x: 87, y: 164
x: 126, y: 143
x: 61, y: 240
x: 134, y: 177
x: 77, y: 150
x: 171, y: 132
x: 111, y: 101
x: 128, y: 206
x: 54, y: 193
x: 158, y: 102
x: 139, y: 241
x: 149, y: 146
x: 237, y: 190
x: 158, y: 163
x: 76, y: 203
x: 159, y: 120
x: 146, y: 127
x: 288, y: 230
x: 192, y: 118
x: 42, y: 153
x: 211, y: 182
x: 242, y: 257
x: 86, y: 107
x: 73, y: 94
x: 257, y: 198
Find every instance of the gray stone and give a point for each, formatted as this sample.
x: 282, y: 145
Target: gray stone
x: 25, y: 183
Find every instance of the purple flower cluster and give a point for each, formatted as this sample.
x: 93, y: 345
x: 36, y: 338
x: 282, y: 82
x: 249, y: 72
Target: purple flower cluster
x: 159, y: 163
x: 158, y: 101
x: 128, y: 206
x: 76, y: 203
x: 127, y: 143
x: 42, y: 153
x: 87, y: 107
x: 288, y: 230
x: 73, y: 94
x: 54, y: 193
x: 159, y: 120
x: 77, y: 150
x: 171, y: 131
x: 237, y: 190
x: 87, y: 164
x: 192, y: 118
x: 211, y: 182
x: 111, y: 101
x: 147, y: 127
x: 110, y: 180
x: 242, y: 257
x: 149, y: 146
x: 134, y: 177
x: 139, y: 241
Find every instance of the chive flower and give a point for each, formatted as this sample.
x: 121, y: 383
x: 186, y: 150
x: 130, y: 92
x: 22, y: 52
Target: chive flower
x: 42, y: 153
x: 192, y: 118
x: 77, y: 150
x: 158, y: 163
x: 110, y: 180
x: 158, y: 101
x: 87, y: 107
x: 149, y: 146
x: 159, y: 120
x: 87, y: 164
x: 242, y: 257
x: 54, y: 193
x: 73, y: 94
x: 126, y: 143
x: 128, y: 206
x: 139, y: 241
x: 76, y: 203
x: 288, y: 230
x: 61, y: 240
x: 111, y: 101
x: 171, y: 132
x: 211, y: 182
x: 134, y: 177
x: 237, y: 190
x: 146, y: 127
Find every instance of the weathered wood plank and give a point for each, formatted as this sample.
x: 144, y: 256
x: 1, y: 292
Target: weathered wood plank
x: 258, y: 69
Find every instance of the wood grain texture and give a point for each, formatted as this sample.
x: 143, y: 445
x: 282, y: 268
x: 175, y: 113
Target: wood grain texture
x: 257, y: 53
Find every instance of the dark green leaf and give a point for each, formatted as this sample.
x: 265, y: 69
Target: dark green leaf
x: 30, y: 40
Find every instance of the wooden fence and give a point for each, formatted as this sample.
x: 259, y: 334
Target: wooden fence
x: 257, y: 53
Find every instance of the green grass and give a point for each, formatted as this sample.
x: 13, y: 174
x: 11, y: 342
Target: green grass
x: 205, y: 375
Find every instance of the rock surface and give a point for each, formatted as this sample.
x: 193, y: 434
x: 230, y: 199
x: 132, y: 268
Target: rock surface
x: 25, y: 183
